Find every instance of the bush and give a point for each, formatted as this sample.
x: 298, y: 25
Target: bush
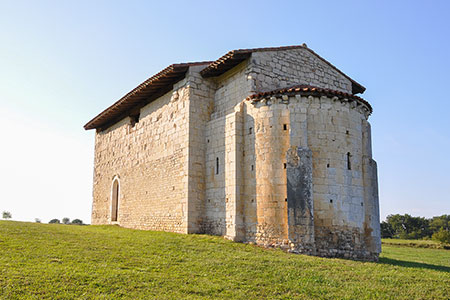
x: 7, y: 215
x: 77, y: 222
x: 54, y: 221
x: 442, y: 236
x: 66, y: 220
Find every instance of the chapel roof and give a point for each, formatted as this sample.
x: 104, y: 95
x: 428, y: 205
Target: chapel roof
x: 162, y: 82
x: 235, y: 57
x: 151, y: 89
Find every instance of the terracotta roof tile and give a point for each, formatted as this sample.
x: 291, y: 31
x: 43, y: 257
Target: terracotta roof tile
x: 308, y: 90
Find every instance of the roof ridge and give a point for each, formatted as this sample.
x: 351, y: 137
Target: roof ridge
x: 193, y: 63
x: 279, y: 48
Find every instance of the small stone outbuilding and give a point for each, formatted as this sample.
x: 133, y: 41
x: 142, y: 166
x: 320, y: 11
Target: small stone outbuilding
x: 268, y: 145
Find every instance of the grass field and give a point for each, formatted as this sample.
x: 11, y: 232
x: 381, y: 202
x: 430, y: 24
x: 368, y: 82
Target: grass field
x: 43, y: 261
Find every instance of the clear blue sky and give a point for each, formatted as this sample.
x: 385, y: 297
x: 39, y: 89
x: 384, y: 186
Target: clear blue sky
x: 62, y: 62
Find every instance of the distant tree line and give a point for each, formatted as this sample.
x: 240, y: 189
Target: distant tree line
x: 7, y: 215
x: 67, y: 221
x: 409, y: 227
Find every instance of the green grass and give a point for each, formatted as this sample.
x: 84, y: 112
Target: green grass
x: 415, y: 243
x: 42, y: 261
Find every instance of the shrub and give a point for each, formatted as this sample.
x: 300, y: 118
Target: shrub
x: 442, y: 236
x: 7, y: 215
x: 77, y: 222
x: 66, y: 220
x: 54, y: 221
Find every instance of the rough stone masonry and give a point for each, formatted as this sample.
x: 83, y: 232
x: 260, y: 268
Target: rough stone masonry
x: 270, y: 146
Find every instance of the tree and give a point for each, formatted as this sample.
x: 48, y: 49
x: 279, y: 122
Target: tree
x: 386, y: 230
x: 442, y: 236
x: 37, y: 220
x: 54, y: 221
x: 77, y: 222
x: 7, y: 215
x: 66, y: 220
x: 408, y: 227
x: 436, y: 223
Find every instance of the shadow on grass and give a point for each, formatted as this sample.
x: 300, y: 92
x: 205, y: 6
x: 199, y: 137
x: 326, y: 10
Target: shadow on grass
x: 411, y: 264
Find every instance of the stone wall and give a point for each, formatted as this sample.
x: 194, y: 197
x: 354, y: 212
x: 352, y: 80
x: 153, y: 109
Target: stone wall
x: 159, y: 161
x: 150, y: 159
x: 278, y: 69
x: 231, y: 89
x: 215, y: 212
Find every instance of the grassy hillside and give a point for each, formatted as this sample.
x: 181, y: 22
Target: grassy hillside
x: 42, y: 261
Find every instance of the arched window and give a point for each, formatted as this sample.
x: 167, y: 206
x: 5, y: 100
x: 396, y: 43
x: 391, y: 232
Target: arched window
x: 115, y: 199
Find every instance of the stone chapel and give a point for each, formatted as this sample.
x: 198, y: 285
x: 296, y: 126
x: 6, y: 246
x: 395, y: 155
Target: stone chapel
x: 270, y: 146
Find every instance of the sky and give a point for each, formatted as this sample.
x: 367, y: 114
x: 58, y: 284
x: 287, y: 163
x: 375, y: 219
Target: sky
x: 63, y: 62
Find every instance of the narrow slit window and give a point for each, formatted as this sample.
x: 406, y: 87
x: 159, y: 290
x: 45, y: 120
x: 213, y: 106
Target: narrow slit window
x: 250, y: 130
x: 284, y: 126
x: 349, y: 162
x: 217, y: 165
